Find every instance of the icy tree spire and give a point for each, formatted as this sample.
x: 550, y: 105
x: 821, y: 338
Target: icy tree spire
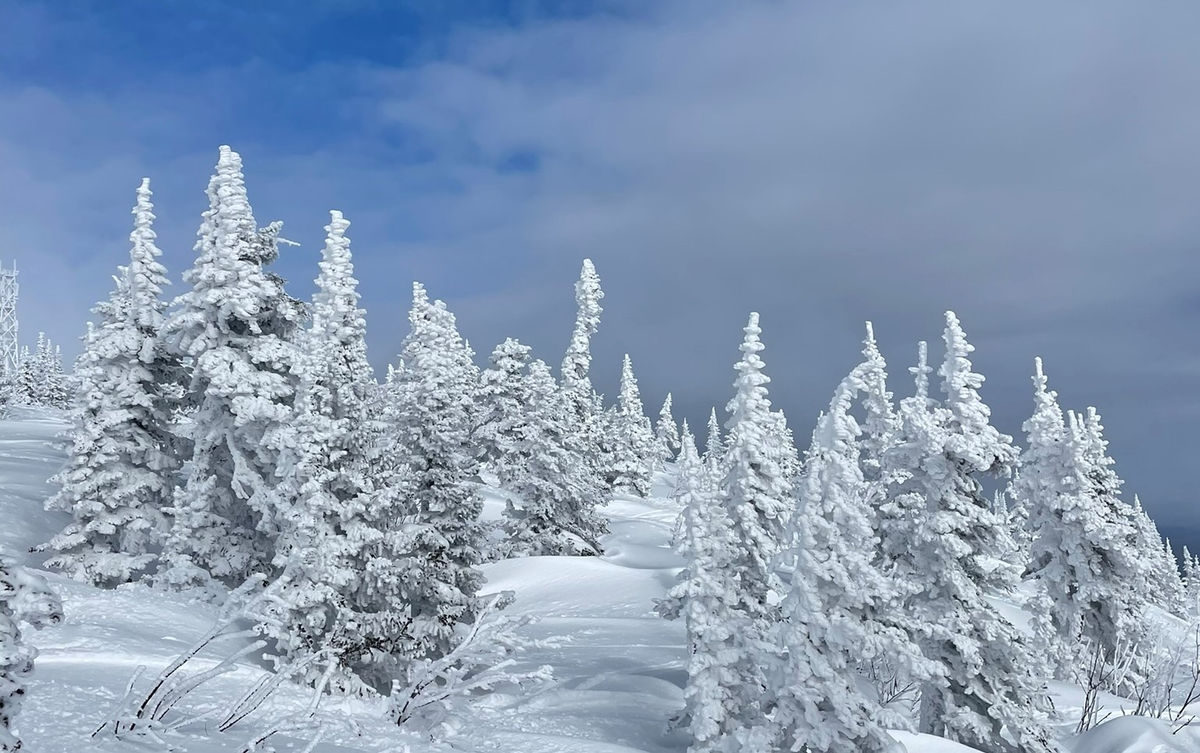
x: 755, y: 491
x: 880, y: 422
x: 713, y: 448
x: 236, y: 327
x: 666, y: 432
x: 754, y: 502
x: 322, y: 475
x: 577, y: 362
x: 1094, y: 583
x: 631, y: 438
x: 947, y: 545
x: 435, y: 409
x: 121, y: 470
x: 723, y: 685
x: 921, y: 371
x: 839, y: 610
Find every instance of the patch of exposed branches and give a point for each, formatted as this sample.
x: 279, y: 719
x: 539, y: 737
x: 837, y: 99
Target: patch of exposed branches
x: 155, y: 713
x: 483, y: 658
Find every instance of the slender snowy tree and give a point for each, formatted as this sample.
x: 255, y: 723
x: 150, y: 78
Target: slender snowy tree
x: 236, y: 327
x: 24, y: 597
x: 756, y: 494
x: 714, y: 448
x: 840, y: 607
x: 945, y: 543
x: 879, y: 423
x: 121, y: 471
x: 526, y: 432
x: 630, y: 438
x: 322, y: 475
x: 435, y: 396
x: 722, y: 694
x: 1092, y: 587
x: 666, y: 432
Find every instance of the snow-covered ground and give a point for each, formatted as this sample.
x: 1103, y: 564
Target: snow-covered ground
x: 619, y: 668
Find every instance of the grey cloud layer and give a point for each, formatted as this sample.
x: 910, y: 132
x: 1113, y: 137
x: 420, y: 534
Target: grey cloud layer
x: 1032, y: 168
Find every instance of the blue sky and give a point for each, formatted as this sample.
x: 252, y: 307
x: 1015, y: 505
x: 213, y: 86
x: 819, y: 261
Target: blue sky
x: 1033, y: 168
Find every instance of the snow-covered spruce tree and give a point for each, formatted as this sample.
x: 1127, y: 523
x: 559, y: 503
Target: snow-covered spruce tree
x: 754, y: 490
x: 1191, y: 582
x: 322, y: 475
x: 666, y: 433
x: 841, y: 608
x: 584, y: 406
x: 945, y: 543
x: 24, y: 597
x: 879, y: 421
x: 748, y: 519
x: 434, y: 390
x: 630, y: 438
x: 714, y: 447
x: 121, y: 471
x: 26, y: 379
x: 503, y: 399
x: 236, y: 328
x: 1166, y: 582
x: 1092, y: 587
x: 526, y: 433
x: 722, y: 694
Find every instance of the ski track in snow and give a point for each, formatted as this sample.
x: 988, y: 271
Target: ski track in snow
x: 619, y: 669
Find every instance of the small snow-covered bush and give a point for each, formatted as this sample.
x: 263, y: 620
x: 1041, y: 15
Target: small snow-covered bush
x: 24, y: 597
x: 482, y: 658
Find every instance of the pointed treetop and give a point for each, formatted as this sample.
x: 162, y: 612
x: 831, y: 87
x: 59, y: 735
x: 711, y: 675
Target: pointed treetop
x: 921, y: 371
x: 712, y: 442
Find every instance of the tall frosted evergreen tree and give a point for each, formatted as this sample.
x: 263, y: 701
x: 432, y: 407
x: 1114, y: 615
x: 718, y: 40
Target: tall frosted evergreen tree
x: 236, y: 328
x: 666, y: 432
x: 121, y: 470
x: 322, y: 474
x: 756, y: 493
x: 840, y: 608
x: 879, y: 423
x: 1092, y: 588
x: 434, y: 390
x: 526, y: 432
x: 945, y: 543
x: 714, y: 449
x: 633, y: 452
x: 723, y: 689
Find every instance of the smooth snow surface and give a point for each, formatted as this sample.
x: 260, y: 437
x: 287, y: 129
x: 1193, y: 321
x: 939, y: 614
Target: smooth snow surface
x: 619, y: 668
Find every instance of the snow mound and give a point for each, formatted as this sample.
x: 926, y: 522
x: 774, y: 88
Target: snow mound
x: 1136, y: 734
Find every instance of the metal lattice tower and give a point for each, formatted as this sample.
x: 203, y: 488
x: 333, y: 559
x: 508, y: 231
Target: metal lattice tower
x: 9, y: 356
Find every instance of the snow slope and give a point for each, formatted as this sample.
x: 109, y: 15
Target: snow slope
x: 619, y: 669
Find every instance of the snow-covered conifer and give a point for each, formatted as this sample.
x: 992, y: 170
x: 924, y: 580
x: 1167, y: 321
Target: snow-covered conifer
x: 945, y: 543
x: 630, y: 438
x: 722, y: 694
x: 121, y: 471
x: 526, y: 433
x: 435, y: 402
x: 840, y: 607
x: 24, y: 597
x: 322, y: 473
x: 879, y: 422
x: 1091, y: 586
x: 577, y: 362
x: 756, y: 493
x: 236, y: 327
x: 666, y: 432
x: 714, y: 447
